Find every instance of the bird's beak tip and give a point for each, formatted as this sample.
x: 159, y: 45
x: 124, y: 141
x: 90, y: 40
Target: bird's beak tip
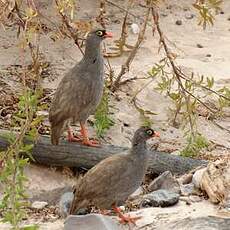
x: 156, y: 134
x: 108, y: 35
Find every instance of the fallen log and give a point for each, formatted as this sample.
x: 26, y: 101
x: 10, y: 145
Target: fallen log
x: 77, y: 155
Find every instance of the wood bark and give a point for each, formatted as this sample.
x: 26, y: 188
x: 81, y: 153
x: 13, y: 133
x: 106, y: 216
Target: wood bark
x: 76, y: 155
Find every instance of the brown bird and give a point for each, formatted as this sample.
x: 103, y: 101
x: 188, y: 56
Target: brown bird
x: 110, y: 182
x: 80, y: 91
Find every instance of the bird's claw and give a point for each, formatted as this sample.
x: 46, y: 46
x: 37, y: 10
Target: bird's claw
x: 128, y: 219
x: 92, y: 143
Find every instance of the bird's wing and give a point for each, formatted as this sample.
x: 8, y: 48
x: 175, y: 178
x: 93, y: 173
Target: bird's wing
x: 71, y: 91
x: 103, y: 176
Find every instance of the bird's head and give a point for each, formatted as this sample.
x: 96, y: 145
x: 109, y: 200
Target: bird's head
x: 97, y: 35
x: 143, y: 134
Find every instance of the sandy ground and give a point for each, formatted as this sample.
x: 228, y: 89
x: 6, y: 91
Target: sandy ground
x: 63, y: 54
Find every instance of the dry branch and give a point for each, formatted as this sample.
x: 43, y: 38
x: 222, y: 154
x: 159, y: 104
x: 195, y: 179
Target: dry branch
x: 75, y: 155
x: 125, y: 66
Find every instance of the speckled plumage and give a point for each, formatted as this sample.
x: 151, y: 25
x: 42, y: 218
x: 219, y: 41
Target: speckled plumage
x: 80, y: 91
x: 112, y: 180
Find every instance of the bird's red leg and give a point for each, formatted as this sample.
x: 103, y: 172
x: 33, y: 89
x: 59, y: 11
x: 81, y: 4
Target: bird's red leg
x: 85, y: 136
x: 125, y: 219
x: 71, y: 137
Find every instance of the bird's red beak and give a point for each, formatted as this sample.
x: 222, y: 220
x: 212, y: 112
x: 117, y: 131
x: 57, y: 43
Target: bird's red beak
x: 108, y: 35
x: 156, y: 134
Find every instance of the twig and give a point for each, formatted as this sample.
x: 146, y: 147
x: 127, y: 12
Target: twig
x: 220, y: 126
x: 201, y: 86
x: 186, y: 93
x: 125, y: 66
x: 69, y: 28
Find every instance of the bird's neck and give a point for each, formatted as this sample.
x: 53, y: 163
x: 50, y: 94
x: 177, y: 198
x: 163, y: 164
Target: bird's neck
x: 138, y: 147
x: 92, y: 53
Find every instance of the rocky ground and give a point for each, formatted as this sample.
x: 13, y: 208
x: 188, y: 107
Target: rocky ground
x: 204, y: 52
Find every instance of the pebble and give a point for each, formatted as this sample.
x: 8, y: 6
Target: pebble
x: 135, y: 28
x: 164, y: 14
x: 179, y: 22
x: 165, y: 181
x: 199, y: 45
x: 39, y: 204
x: 159, y: 198
x: 189, y: 16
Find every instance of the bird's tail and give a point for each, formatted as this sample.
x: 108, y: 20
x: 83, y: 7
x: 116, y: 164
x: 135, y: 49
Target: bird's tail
x: 56, y: 131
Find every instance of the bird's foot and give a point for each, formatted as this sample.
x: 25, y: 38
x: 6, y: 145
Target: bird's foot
x: 73, y: 137
x: 128, y: 219
x: 92, y: 143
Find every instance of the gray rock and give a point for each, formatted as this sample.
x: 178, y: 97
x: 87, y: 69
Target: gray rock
x: 187, y: 189
x: 136, y: 194
x: 90, y: 222
x: 162, y: 198
x: 165, y: 181
x: 65, y: 202
x: 200, y: 223
x: 39, y: 204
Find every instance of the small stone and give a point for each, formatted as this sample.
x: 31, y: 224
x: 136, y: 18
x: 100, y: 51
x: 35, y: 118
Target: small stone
x: 221, y: 12
x: 186, y: 8
x: 199, y: 45
x: 164, y: 14
x: 39, y: 204
x: 195, y: 198
x: 179, y: 22
x: 65, y: 203
x: 228, y: 19
x: 208, y: 55
x: 122, y: 208
x: 187, y: 189
x: 135, y: 28
x: 165, y: 181
x: 126, y: 124
x: 159, y: 198
x: 197, y: 176
x: 189, y: 16
x: 90, y: 222
x: 176, y: 153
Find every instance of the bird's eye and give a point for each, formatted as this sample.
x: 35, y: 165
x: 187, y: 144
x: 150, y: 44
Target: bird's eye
x: 149, y: 132
x: 99, y: 33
